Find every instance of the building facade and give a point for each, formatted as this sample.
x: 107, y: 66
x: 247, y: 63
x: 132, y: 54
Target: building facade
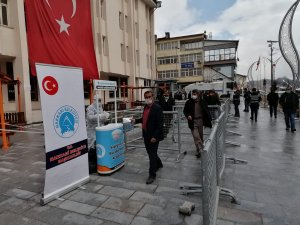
x: 180, y: 59
x: 123, y: 32
x: 194, y: 58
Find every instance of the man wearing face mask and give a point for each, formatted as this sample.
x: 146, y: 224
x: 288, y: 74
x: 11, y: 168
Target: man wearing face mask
x: 290, y: 103
x: 197, y: 114
x: 152, y: 124
x: 167, y: 102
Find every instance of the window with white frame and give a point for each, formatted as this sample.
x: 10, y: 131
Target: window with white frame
x: 167, y: 74
x: 192, y: 45
x: 191, y: 72
x: 167, y: 46
x: 220, y: 54
x: 167, y: 60
x: 191, y: 58
x: 3, y: 12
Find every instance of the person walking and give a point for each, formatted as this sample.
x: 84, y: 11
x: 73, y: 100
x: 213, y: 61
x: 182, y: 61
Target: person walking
x: 246, y: 99
x: 236, y: 103
x: 167, y: 102
x: 197, y: 114
x: 290, y: 103
x: 152, y: 126
x: 255, y: 98
x: 273, y: 98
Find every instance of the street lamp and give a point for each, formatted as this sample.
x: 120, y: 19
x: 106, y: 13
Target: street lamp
x: 272, y: 72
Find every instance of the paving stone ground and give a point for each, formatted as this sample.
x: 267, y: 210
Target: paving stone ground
x: 267, y: 187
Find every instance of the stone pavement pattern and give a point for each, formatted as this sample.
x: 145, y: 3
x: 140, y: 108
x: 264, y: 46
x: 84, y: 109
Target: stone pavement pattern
x: 268, y: 186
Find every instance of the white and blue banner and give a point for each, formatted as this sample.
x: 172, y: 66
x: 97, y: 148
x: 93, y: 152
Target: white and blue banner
x: 62, y: 99
x: 110, y: 148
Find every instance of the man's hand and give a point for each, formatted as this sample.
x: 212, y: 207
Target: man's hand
x: 189, y: 118
x: 152, y: 140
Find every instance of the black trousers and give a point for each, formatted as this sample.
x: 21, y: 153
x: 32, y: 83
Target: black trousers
x: 254, y: 110
x: 273, y: 109
x: 236, y: 110
x: 155, y: 162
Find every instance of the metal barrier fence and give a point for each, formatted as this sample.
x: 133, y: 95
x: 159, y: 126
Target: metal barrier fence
x: 172, y: 134
x: 213, y: 165
x: 210, y: 199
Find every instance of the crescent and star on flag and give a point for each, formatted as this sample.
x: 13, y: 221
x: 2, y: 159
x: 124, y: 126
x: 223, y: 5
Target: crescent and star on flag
x: 63, y: 25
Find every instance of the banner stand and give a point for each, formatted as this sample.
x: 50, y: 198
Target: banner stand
x: 66, y: 145
x: 45, y: 200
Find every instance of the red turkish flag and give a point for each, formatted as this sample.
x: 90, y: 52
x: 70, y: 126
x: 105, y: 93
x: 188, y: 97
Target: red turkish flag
x: 60, y: 32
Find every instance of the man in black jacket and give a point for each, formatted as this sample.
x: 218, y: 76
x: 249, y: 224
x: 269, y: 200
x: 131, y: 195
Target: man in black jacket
x: 236, y: 103
x: 152, y: 124
x: 167, y: 102
x: 197, y: 114
x: 290, y: 103
x: 273, y: 98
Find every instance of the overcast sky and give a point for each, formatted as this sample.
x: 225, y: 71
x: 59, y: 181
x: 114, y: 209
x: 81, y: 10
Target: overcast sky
x: 252, y: 22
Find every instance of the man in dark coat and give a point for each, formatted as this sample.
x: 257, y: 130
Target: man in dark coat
x: 290, y: 103
x: 246, y: 99
x: 255, y: 99
x: 236, y: 103
x: 152, y: 124
x: 273, y: 98
x: 197, y: 114
x: 167, y: 102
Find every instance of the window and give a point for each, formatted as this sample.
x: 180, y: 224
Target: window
x: 99, y: 43
x: 10, y: 87
x: 147, y: 83
x: 122, y: 52
x: 167, y: 46
x: 191, y: 58
x: 3, y: 13
x: 128, y: 54
x: 148, y: 63
x: 105, y: 45
x: 137, y: 56
x: 112, y: 93
x: 121, y: 21
x: 120, y: 90
x: 124, y: 91
x: 126, y: 23
x: 103, y: 12
x: 146, y: 11
x: 34, y: 88
x: 147, y: 37
x: 167, y: 60
x: 220, y: 54
x: 167, y: 74
x: 98, y: 8
x: 136, y: 30
x: 191, y: 72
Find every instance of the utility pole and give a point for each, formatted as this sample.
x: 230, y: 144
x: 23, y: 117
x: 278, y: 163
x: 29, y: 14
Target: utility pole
x: 272, y: 69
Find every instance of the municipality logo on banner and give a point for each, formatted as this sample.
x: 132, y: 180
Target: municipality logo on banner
x: 66, y: 121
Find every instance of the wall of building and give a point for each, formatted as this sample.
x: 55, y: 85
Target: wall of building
x: 106, y: 23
